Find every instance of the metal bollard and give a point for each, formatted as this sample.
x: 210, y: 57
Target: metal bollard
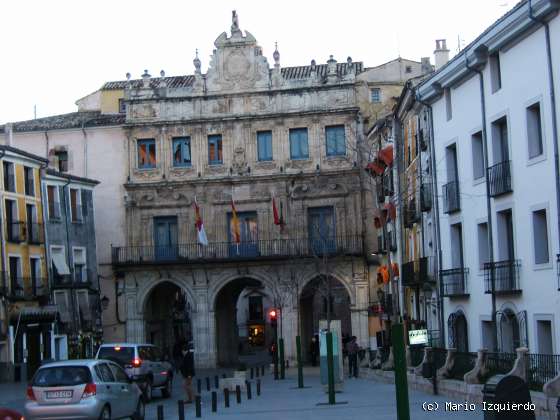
x: 258, y: 372
x: 252, y: 372
x: 181, y: 409
x: 198, y: 408
x: 226, y: 397
x: 160, y: 412
x: 216, y: 382
x: 198, y: 386
x: 207, y: 383
x: 238, y: 394
x: 258, y: 387
x: 287, y: 364
x: 214, y: 402
x: 248, y: 385
x: 262, y: 370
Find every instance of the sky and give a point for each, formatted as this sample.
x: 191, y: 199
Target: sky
x: 55, y: 52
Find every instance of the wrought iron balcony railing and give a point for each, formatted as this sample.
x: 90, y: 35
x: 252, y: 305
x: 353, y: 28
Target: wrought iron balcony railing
x: 415, y: 273
x: 35, y: 233
x: 227, y: 251
x: 410, y: 213
x: 502, y: 277
x: 454, y: 282
x: 15, y: 231
x: 499, y: 179
x: 426, y: 197
x: 451, y: 197
x: 27, y: 288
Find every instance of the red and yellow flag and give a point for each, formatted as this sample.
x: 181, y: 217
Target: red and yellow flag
x: 236, y: 233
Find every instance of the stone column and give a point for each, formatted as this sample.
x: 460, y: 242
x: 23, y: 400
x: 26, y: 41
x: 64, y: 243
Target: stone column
x: 135, y: 332
x: 360, y: 327
x: 473, y: 376
x: 520, y: 365
x: 203, y: 328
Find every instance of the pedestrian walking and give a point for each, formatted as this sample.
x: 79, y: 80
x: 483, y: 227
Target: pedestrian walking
x: 177, y: 355
x: 187, y: 370
x: 314, y: 350
x: 352, y: 349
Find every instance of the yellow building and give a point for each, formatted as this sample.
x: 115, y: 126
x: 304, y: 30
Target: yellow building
x: 26, y: 321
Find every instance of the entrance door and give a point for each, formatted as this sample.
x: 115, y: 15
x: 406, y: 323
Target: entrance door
x: 165, y: 238
x: 248, y: 247
x: 33, y: 336
x: 321, y: 230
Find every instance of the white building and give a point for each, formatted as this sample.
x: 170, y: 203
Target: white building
x: 496, y: 148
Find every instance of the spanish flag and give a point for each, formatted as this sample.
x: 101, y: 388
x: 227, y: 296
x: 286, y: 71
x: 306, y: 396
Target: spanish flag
x: 236, y: 233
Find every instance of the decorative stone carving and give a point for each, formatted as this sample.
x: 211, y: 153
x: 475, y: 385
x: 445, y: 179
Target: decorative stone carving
x: 147, y: 174
x: 239, y: 164
x: 144, y: 111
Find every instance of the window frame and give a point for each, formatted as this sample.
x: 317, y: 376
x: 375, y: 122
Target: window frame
x: 292, y: 132
x: 495, y: 72
x: 336, y: 152
x: 540, y: 131
x: 29, y: 170
x: 448, y: 104
x: 375, y: 99
x: 83, y: 250
x: 78, y: 216
x: 477, y: 144
x: 58, y: 153
x: 548, y: 263
x: 147, y: 142
x: 218, y: 142
x: 56, y: 203
x: 268, y: 140
x: 9, y: 187
x: 184, y: 141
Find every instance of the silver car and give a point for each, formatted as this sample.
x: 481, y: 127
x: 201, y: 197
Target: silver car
x: 144, y: 363
x: 83, y: 389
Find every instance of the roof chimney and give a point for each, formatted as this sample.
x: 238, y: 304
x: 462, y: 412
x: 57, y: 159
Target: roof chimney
x: 441, y: 53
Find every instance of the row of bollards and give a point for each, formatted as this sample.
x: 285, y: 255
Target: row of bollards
x: 256, y: 371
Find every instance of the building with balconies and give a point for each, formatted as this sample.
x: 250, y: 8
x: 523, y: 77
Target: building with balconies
x: 495, y: 125
x: 26, y: 319
x: 72, y: 263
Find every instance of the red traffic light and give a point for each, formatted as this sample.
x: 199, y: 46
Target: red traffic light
x: 272, y: 314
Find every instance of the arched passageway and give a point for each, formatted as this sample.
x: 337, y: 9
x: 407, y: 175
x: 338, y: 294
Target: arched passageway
x: 167, y: 316
x: 458, y: 331
x: 241, y: 325
x: 319, y: 297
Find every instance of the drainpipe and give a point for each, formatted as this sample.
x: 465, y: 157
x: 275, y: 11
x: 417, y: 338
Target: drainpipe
x: 436, y: 226
x: 553, y: 112
x: 2, y: 252
x: 488, y: 201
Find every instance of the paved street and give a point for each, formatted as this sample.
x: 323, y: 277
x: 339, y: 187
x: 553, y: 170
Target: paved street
x: 280, y: 400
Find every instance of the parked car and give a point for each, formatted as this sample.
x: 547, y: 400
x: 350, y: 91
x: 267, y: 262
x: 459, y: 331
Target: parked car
x: 83, y: 389
x: 144, y: 363
x: 9, y: 414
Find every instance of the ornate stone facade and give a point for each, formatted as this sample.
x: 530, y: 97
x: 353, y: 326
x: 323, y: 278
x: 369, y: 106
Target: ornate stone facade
x: 239, y: 97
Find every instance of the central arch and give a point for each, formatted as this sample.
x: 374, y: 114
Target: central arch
x: 167, y: 317
x: 316, y: 301
x: 240, y: 307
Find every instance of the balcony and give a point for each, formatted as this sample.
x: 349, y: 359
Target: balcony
x: 15, y: 231
x: 451, y: 198
x: 383, y: 306
x: 503, y: 275
x: 499, y: 179
x: 27, y: 288
x: 76, y: 281
x: 384, y: 186
x: 410, y: 214
x: 276, y: 249
x: 415, y: 273
x: 425, y: 197
x: 454, y: 282
x: 35, y: 233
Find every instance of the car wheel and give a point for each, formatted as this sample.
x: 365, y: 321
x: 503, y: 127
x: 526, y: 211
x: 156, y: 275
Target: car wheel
x: 105, y: 414
x: 166, y: 391
x: 140, y: 411
x: 148, y: 391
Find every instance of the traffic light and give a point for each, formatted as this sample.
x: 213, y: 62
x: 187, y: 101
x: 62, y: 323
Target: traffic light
x: 273, y: 316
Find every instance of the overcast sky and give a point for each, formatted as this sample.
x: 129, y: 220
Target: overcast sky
x: 55, y: 52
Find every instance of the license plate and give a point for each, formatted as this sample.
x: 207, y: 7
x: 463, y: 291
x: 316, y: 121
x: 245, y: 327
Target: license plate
x: 59, y: 394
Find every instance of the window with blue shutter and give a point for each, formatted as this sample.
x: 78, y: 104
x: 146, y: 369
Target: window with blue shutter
x: 299, y: 148
x: 264, y: 145
x: 182, y: 151
x: 215, y: 149
x: 336, y: 140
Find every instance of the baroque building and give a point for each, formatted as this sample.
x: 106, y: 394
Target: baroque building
x: 234, y: 140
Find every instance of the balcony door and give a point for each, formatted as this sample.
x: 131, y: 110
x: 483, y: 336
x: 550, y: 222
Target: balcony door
x: 321, y: 230
x: 165, y: 238
x: 248, y: 230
